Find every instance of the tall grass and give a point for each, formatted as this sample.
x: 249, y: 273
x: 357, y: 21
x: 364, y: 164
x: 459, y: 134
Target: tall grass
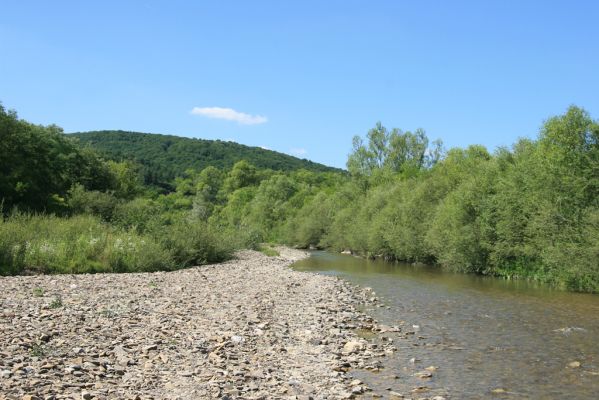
x: 84, y: 244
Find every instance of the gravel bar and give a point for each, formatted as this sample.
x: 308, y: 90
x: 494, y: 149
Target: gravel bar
x: 249, y: 328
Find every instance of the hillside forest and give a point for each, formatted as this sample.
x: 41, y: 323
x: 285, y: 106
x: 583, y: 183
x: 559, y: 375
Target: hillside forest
x: 89, y: 203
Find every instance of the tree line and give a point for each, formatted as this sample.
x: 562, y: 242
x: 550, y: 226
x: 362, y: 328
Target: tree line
x: 530, y: 211
x: 162, y: 158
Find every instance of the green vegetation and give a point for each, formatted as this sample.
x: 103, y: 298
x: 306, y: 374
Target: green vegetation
x: 530, y: 211
x: 165, y: 157
x: 268, y: 250
x: 83, y: 243
x: 38, y: 350
x: 38, y: 165
x: 56, y: 303
x: 107, y: 313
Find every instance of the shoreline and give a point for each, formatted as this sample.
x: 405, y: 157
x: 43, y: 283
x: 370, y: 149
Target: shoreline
x: 247, y: 328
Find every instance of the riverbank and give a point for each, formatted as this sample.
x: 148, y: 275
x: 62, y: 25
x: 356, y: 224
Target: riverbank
x: 248, y: 328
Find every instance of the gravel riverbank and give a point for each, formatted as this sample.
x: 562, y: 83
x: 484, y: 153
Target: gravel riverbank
x: 249, y: 328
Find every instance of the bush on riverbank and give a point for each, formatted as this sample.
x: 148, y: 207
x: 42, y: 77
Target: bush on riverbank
x: 526, y: 212
x: 531, y: 212
x: 81, y: 244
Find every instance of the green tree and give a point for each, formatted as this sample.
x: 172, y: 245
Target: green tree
x: 241, y: 175
x: 38, y: 165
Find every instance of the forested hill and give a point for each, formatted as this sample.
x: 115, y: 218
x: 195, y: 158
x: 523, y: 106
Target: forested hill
x: 165, y: 157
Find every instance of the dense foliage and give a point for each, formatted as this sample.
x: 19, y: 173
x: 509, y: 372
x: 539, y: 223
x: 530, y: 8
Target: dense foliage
x: 530, y: 211
x: 166, y: 157
x: 39, y: 164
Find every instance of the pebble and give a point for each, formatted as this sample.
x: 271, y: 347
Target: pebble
x: 247, y: 328
x: 574, y: 364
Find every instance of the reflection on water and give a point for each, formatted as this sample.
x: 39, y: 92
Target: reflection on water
x: 484, y: 334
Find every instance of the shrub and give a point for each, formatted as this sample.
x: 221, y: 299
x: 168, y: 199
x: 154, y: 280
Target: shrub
x: 48, y: 244
x: 193, y: 242
x: 81, y: 201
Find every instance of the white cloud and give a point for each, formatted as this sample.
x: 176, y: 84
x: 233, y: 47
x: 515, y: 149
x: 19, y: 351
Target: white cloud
x: 299, y: 151
x: 229, y: 114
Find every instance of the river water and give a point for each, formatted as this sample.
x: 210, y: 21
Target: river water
x: 487, y: 337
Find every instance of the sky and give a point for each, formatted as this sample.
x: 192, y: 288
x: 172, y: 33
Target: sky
x: 300, y: 77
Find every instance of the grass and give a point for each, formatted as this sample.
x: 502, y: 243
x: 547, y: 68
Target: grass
x: 107, y: 313
x: 268, y: 250
x: 31, y: 243
x: 37, y: 350
x: 56, y: 303
x: 38, y: 292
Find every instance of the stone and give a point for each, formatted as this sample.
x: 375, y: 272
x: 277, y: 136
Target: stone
x: 574, y: 364
x: 247, y: 328
x: 424, y: 374
x: 357, y: 390
x: 352, y: 346
x: 237, y: 339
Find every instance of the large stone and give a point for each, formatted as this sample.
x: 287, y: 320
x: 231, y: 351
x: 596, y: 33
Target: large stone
x: 352, y: 346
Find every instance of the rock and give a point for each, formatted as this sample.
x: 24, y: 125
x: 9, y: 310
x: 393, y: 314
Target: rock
x: 574, y: 364
x: 352, y: 347
x: 247, y: 328
x: 150, y: 348
x: 237, y: 339
x: 420, y: 389
x: 357, y: 390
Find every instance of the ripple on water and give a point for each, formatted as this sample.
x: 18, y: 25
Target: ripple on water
x: 485, y: 336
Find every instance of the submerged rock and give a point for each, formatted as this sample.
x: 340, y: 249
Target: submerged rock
x: 574, y: 364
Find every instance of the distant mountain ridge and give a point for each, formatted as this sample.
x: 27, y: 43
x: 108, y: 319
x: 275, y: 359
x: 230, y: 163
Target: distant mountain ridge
x: 165, y: 157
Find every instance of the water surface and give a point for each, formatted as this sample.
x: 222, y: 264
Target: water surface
x: 489, y: 337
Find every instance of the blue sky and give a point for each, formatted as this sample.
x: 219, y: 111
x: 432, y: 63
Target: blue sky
x: 300, y: 77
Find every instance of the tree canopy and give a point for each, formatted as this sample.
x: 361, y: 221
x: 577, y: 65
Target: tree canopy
x: 165, y: 157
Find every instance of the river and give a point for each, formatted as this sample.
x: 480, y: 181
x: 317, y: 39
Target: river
x: 485, y: 337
